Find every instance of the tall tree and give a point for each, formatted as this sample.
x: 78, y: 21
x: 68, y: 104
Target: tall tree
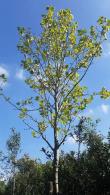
x: 57, y: 61
x: 82, y: 131
x: 13, y: 147
x: 29, y: 179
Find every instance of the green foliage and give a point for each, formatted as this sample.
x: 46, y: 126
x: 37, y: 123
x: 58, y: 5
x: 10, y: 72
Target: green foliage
x: 2, y: 187
x: 77, y: 176
x: 34, y: 134
x: 57, y: 61
x: 104, y: 93
x: 23, y: 113
x: 29, y: 177
x: 13, y: 145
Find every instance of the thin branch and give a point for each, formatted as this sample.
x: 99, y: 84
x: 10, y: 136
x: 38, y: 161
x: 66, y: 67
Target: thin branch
x: 45, y: 139
x: 63, y: 140
x: 17, y: 108
x: 40, y: 133
x: 77, y: 82
x: 46, y: 153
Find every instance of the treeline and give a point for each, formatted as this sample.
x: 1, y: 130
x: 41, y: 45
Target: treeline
x: 85, y: 172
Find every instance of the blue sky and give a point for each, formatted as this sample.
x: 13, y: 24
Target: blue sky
x: 28, y: 13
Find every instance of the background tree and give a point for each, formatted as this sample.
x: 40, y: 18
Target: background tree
x: 13, y: 147
x: 2, y: 187
x: 57, y: 61
x: 76, y: 176
x: 84, y: 175
x: 82, y: 131
x: 29, y: 177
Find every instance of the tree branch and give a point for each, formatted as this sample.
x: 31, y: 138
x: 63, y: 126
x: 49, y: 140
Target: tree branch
x: 77, y: 82
x: 40, y: 133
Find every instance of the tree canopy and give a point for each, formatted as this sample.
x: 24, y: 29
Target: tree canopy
x: 56, y: 62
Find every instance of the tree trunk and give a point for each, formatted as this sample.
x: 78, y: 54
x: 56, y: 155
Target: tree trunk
x: 51, y: 187
x: 13, y: 187
x: 56, y: 163
x: 56, y: 147
x: 79, y: 146
x: 56, y: 170
x: 14, y: 180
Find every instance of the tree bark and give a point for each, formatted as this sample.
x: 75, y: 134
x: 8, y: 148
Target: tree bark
x: 56, y: 172
x: 51, y: 187
x: 14, y: 180
x: 56, y: 146
x: 13, y: 188
x: 79, y: 146
x: 56, y: 165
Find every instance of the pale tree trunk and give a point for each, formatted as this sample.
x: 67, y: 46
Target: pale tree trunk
x: 56, y: 164
x: 79, y: 147
x: 56, y: 146
x: 56, y: 170
x: 51, y: 188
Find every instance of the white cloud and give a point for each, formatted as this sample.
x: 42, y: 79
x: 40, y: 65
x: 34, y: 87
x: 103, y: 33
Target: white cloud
x: 5, y: 72
x: 105, y: 108
x: 87, y: 113
x: 106, y: 50
x: 107, y: 54
x: 71, y: 140
x: 20, y: 74
x: 90, y: 112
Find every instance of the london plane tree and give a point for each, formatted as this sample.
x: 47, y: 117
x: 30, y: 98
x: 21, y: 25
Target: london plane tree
x: 56, y: 63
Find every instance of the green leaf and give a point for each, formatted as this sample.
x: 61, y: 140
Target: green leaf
x: 82, y: 32
x: 101, y: 20
x: 33, y: 134
x: 23, y: 113
x: 104, y: 93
